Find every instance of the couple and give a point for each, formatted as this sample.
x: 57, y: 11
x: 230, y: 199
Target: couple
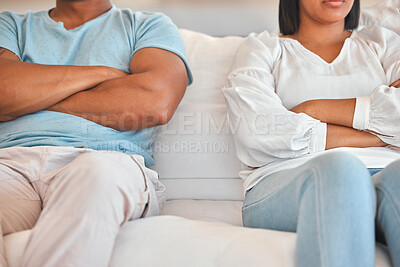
x: 85, y: 85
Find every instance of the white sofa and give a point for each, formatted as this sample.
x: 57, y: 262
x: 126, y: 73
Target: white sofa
x: 201, y: 223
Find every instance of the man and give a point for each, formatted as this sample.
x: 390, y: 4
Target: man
x: 83, y: 87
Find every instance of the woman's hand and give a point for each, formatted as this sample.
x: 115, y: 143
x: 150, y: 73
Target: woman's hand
x: 395, y: 84
x: 307, y: 107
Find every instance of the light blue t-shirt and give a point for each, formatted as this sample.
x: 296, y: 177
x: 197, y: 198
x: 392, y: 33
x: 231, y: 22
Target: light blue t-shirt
x: 109, y: 40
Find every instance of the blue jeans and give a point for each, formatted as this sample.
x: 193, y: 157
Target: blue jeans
x: 332, y: 203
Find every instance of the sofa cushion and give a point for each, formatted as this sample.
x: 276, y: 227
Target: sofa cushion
x: 197, y: 143
x: 385, y: 14
x: 229, y: 212
x: 178, y: 242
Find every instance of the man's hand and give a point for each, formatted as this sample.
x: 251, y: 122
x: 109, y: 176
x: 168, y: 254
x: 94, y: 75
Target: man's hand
x: 112, y: 73
x: 6, y: 54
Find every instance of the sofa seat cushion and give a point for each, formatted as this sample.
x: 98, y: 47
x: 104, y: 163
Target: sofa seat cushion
x: 180, y: 242
x: 229, y: 212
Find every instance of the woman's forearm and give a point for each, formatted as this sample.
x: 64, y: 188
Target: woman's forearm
x: 331, y: 111
x: 27, y: 88
x: 339, y: 136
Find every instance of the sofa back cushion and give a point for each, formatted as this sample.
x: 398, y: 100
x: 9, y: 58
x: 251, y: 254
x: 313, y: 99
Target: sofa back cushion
x: 195, y: 154
x: 385, y: 14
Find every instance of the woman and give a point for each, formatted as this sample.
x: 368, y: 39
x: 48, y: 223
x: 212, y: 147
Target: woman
x: 320, y: 86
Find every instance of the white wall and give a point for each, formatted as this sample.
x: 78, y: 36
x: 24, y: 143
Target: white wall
x: 218, y: 17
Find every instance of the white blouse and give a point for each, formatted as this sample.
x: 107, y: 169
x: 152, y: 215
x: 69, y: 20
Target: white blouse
x: 271, y: 75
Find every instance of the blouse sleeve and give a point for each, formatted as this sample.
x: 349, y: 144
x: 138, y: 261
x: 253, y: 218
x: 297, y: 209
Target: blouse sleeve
x: 264, y: 130
x: 380, y: 112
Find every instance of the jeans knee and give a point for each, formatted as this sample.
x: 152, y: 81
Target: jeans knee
x: 340, y: 164
x: 389, y: 178
x: 343, y: 175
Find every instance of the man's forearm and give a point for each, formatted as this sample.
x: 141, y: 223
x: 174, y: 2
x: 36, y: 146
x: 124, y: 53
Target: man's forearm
x: 146, y: 98
x: 121, y: 104
x: 26, y: 87
x: 339, y: 136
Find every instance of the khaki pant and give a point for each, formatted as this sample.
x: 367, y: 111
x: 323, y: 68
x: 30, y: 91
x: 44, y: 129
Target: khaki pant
x: 74, y: 199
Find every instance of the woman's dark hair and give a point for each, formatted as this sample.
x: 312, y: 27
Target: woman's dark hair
x: 289, y: 21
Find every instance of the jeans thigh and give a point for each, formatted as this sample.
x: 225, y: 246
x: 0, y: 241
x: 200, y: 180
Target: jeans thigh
x: 20, y: 205
x: 272, y: 203
x: 275, y: 202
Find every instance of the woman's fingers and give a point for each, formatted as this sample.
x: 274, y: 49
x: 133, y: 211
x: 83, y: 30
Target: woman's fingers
x: 396, y: 84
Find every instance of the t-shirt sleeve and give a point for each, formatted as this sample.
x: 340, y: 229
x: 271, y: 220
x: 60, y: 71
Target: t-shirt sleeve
x: 9, y: 33
x: 158, y: 31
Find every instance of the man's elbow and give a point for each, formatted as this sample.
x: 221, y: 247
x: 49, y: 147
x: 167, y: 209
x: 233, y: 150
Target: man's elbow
x: 164, y: 103
x: 156, y: 114
x: 169, y: 102
x: 160, y: 113
x: 157, y: 108
x: 165, y: 115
